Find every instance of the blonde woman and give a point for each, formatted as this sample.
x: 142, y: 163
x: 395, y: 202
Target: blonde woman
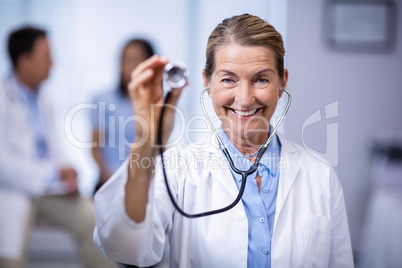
x: 292, y: 212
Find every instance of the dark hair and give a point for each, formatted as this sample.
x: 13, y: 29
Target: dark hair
x: 22, y: 41
x: 148, y: 50
x: 245, y: 30
x: 144, y: 44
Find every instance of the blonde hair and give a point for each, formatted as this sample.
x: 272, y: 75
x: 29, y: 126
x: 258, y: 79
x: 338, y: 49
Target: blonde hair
x: 244, y: 30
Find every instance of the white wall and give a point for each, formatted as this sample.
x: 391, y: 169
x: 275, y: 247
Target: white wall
x: 367, y: 87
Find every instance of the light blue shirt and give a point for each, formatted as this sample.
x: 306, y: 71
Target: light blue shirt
x: 260, y: 207
x: 30, y: 98
x: 114, y: 118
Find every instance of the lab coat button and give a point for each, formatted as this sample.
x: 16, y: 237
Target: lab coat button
x: 262, y: 220
x: 265, y: 251
x: 240, y: 215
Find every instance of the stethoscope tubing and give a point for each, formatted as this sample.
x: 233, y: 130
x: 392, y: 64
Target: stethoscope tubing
x: 243, y: 173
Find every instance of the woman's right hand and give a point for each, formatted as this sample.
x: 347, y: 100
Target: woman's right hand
x: 146, y: 96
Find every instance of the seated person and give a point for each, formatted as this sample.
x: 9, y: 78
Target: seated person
x: 35, y: 180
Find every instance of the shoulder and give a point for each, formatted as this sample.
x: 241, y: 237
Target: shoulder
x: 205, y: 146
x: 306, y: 160
x: 300, y: 152
x: 200, y: 150
x: 5, y: 86
x: 8, y: 93
x: 311, y: 169
x: 106, y: 95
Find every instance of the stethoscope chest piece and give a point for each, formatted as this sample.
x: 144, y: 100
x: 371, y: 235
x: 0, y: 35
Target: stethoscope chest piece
x: 175, y: 75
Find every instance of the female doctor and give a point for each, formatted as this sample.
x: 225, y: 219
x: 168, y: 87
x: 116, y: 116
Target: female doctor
x: 292, y: 212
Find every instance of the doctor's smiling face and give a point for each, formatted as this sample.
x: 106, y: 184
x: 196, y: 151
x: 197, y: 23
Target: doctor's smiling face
x: 245, y: 88
x: 245, y: 72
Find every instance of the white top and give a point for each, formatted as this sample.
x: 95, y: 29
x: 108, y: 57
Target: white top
x: 310, y: 228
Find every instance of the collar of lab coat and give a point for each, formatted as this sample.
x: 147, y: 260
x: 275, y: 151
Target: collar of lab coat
x: 289, y: 168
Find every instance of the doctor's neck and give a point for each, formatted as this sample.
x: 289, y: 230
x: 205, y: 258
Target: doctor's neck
x: 248, y: 144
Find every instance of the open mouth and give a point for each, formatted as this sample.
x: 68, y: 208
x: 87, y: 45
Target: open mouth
x: 245, y: 113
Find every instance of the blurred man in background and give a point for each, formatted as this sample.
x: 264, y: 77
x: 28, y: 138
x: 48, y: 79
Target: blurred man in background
x: 35, y: 181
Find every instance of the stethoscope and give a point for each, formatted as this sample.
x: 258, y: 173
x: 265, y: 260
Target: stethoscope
x: 176, y: 76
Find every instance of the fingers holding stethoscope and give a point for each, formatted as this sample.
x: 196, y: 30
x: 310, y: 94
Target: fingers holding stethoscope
x: 146, y: 95
x: 147, y: 78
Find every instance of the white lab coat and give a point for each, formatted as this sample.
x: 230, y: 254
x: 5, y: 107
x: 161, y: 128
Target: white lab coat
x: 22, y: 177
x: 310, y: 229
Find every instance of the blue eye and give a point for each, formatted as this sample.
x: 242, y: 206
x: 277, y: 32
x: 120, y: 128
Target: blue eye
x: 262, y: 81
x: 227, y: 80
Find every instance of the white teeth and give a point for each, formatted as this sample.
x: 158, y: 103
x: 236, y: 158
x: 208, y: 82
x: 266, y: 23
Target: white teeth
x: 247, y: 113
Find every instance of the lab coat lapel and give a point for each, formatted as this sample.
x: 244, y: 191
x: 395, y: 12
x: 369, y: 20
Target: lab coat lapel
x: 222, y: 174
x: 288, y: 173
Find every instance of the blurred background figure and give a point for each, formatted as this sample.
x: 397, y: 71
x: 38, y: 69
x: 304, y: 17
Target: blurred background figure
x: 112, y: 122
x: 35, y: 180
